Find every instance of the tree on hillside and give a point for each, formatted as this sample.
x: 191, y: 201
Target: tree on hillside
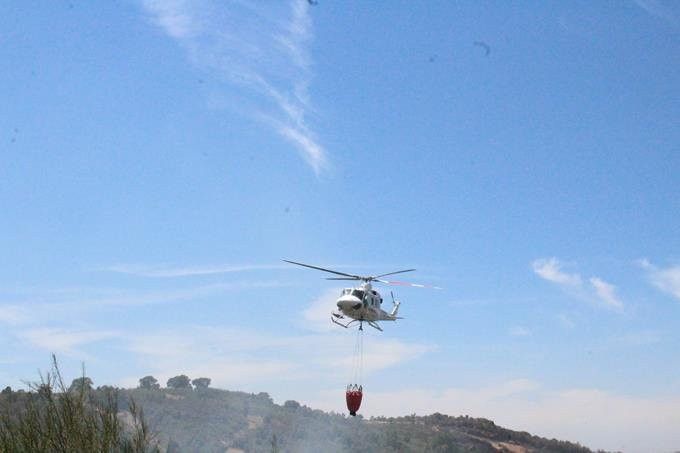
x: 264, y: 397
x: 81, y: 384
x: 291, y: 404
x: 149, y: 383
x: 7, y: 390
x: 106, y: 388
x: 201, y: 383
x: 179, y: 382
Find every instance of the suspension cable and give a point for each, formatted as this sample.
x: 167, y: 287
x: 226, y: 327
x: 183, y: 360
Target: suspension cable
x: 358, y: 358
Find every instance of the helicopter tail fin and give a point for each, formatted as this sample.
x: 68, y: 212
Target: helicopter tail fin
x: 396, y: 303
x: 395, y: 310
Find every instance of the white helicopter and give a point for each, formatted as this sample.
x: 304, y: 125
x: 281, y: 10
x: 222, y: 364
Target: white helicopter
x: 362, y: 304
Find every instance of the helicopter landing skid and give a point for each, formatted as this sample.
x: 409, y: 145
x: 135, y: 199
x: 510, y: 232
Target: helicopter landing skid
x: 336, y: 316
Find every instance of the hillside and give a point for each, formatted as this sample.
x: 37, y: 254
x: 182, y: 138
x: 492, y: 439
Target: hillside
x: 211, y: 420
x: 203, y: 419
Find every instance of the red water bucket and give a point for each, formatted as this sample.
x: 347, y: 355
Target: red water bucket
x: 353, y: 396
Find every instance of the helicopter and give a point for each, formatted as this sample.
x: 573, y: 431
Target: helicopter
x: 362, y: 303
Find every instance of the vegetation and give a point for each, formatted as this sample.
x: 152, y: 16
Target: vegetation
x: 212, y: 420
x: 179, y: 382
x: 52, y: 418
x: 201, y: 383
x: 199, y: 418
x: 149, y: 383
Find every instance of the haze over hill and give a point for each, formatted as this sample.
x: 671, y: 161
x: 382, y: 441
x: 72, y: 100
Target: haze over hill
x: 211, y: 420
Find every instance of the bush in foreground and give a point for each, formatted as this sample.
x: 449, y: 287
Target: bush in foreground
x: 52, y: 417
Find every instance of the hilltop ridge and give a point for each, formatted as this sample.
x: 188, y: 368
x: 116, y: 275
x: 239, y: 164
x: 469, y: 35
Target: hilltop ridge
x: 213, y: 420
x: 204, y: 419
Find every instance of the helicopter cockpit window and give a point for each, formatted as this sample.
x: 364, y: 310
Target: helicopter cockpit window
x: 358, y: 294
x: 346, y: 291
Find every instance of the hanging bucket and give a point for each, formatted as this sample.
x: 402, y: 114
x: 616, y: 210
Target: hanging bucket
x: 353, y: 396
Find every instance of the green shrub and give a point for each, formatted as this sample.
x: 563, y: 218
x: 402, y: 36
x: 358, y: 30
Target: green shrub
x: 52, y: 417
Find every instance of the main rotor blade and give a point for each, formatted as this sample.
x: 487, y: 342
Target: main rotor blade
x: 392, y: 273
x: 354, y: 277
x: 343, y: 278
x: 415, y: 285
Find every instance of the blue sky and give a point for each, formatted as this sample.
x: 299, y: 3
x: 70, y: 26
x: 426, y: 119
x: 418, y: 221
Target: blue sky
x: 159, y: 158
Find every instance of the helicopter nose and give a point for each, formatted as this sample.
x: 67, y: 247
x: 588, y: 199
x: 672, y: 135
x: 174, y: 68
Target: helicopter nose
x: 348, y: 303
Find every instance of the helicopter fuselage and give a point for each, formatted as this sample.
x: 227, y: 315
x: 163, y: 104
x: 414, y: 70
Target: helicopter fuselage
x: 363, y: 304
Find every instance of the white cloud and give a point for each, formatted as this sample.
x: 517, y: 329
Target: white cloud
x: 665, y: 279
x: 242, y: 357
x: 54, y: 303
x: 297, y: 33
x: 317, y: 315
x: 259, y: 48
x: 313, y: 153
x: 64, y: 341
x: 246, y: 359
x: 599, y: 291
x: 13, y: 314
x: 232, y: 358
x: 173, y: 16
x: 382, y: 353
x: 596, y: 418
x: 606, y: 293
x: 551, y: 269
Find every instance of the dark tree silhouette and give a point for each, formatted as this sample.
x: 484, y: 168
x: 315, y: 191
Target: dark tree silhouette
x: 149, y: 383
x: 179, y: 382
x: 80, y: 384
x: 201, y: 383
x: 291, y: 404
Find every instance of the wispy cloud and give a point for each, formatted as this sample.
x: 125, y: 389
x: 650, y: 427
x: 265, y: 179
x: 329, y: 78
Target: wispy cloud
x: 64, y: 341
x: 260, y: 48
x: 317, y: 315
x: 241, y: 357
x: 13, y: 314
x: 666, y: 279
x: 551, y: 269
x: 596, y: 290
x: 229, y: 356
x: 42, y: 306
x: 606, y: 293
x: 173, y: 16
